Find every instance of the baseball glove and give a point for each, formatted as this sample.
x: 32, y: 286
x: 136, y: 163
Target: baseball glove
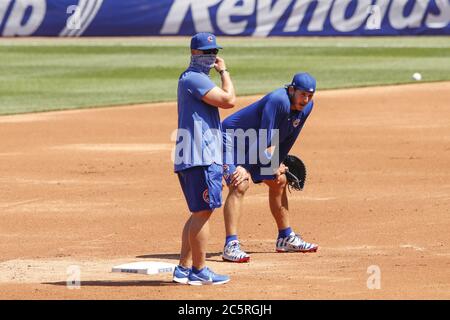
x: 296, y: 173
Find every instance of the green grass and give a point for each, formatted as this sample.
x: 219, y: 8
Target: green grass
x: 54, y: 74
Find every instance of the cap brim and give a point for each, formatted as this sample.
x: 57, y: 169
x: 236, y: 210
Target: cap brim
x: 210, y: 47
x: 305, y: 89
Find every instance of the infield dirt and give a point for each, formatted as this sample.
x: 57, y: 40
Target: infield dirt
x: 95, y: 188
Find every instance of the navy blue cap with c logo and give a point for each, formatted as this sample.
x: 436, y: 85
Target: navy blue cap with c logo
x: 204, y: 41
x: 304, y: 81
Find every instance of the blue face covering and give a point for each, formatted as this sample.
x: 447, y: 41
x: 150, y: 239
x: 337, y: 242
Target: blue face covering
x: 203, y: 62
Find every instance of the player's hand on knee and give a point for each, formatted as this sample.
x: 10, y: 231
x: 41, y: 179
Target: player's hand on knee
x: 280, y: 176
x: 239, y: 175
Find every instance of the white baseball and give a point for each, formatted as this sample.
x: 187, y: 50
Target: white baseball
x: 417, y: 76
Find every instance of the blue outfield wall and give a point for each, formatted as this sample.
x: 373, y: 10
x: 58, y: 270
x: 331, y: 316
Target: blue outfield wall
x: 260, y: 18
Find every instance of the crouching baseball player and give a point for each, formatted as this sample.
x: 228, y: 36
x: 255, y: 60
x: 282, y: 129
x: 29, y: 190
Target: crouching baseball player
x: 280, y: 115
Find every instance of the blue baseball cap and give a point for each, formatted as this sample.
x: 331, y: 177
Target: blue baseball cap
x: 304, y: 81
x: 204, y: 41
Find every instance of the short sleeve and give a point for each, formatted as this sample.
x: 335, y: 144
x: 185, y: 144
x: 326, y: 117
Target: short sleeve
x: 198, y: 84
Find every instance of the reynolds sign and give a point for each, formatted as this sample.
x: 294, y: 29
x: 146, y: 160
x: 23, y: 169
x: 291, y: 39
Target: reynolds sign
x: 262, y: 18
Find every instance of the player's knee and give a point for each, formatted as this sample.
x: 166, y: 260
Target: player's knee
x: 202, y: 215
x: 283, y: 181
x: 279, y: 184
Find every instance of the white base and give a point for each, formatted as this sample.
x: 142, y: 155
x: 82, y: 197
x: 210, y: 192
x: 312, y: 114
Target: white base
x: 151, y: 267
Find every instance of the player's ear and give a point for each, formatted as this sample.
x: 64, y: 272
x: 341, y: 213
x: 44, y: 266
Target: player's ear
x: 291, y: 91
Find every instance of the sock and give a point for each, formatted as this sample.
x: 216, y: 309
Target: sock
x: 230, y: 238
x: 284, y: 233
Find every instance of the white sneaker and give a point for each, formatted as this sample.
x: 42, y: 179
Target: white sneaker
x: 232, y: 252
x: 295, y: 243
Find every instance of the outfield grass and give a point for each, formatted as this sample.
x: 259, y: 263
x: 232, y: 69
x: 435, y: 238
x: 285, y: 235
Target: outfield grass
x: 55, y: 74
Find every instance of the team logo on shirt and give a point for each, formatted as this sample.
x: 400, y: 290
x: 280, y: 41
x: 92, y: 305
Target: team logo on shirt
x: 206, y: 196
x: 296, y: 123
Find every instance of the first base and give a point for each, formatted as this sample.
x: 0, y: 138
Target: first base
x: 142, y: 267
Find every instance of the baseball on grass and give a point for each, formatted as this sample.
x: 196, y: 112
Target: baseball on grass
x: 417, y: 76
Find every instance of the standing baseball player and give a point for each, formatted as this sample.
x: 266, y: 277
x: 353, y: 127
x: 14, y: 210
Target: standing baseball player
x: 281, y: 114
x: 198, y: 154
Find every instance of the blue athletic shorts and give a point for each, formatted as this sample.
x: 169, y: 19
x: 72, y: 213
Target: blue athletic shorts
x: 202, y: 187
x: 253, y: 170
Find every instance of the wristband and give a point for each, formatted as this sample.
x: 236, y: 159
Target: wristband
x: 222, y: 71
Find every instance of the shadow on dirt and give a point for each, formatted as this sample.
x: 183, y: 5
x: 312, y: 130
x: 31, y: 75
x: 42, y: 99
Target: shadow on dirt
x: 175, y: 256
x: 110, y: 283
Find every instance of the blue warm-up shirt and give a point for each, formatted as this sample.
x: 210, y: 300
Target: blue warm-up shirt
x: 271, y: 112
x: 199, y: 138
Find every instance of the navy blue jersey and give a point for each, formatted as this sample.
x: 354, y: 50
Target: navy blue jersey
x: 272, y: 113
